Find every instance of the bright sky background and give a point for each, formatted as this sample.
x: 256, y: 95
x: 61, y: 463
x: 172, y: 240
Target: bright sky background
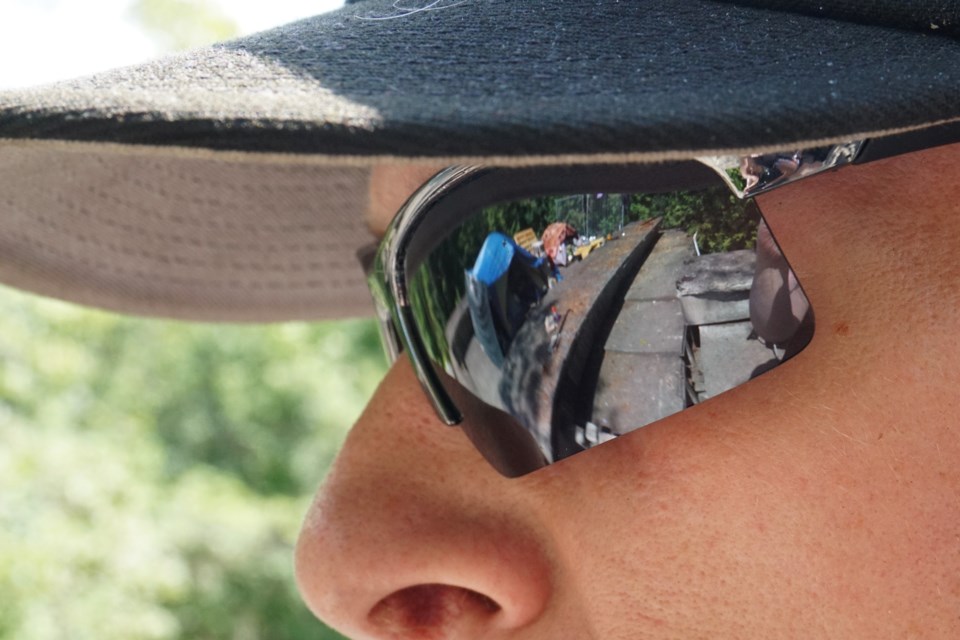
x: 46, y: 40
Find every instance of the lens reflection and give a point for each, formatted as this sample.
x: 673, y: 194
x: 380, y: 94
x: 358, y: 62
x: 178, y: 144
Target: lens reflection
x: 587, y: 316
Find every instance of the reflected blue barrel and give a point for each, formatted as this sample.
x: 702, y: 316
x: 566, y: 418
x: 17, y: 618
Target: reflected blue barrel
x: 506, y: 280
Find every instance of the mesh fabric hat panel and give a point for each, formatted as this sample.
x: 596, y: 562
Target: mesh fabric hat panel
x: 293, y: 118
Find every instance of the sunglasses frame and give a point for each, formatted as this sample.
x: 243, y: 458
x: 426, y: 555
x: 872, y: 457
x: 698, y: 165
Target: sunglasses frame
x: 458, y: 191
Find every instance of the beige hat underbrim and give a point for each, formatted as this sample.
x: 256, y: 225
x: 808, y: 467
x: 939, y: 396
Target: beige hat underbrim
x: 154, y: 231
x: 223, y: 236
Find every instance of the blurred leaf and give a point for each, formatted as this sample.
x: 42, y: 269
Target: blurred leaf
x: 154, y: 473
x: 268, y: 404
x: 177, y: 25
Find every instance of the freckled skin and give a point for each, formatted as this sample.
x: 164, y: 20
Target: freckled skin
x: 818, y: 500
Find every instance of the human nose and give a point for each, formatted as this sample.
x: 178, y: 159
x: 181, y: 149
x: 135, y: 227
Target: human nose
x: 414, y: 535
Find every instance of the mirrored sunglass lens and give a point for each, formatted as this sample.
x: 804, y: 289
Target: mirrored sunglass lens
x: 571, y: 320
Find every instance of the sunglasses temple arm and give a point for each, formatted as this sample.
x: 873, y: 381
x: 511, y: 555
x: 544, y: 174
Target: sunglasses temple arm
x: 917, y: 140
x: 751, y: 175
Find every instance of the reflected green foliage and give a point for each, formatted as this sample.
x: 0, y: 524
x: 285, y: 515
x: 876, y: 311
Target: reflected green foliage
x: 736, y: 177
x: 721, y: 221
x: 592, y: 214
x: 177, y: 25
x: 154, y: 473
x: 434, y: 298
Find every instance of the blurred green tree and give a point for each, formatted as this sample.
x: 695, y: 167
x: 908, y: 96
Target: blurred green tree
x: 177, y: 25
x: 154, y: 473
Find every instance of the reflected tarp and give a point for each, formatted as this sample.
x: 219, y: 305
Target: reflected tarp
x: 504, y: 283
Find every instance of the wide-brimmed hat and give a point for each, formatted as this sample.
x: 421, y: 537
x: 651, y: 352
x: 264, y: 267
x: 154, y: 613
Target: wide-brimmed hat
x: 229, y: 183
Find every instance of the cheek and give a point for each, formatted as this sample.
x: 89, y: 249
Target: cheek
x: 761, y: 513
x: 683, y: 526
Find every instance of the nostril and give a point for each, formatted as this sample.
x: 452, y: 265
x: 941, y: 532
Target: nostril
x: 430, y: 611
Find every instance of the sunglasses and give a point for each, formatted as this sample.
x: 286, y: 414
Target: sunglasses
x: 548, y: 310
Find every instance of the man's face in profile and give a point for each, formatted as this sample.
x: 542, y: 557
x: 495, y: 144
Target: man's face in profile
x: 818, y: 500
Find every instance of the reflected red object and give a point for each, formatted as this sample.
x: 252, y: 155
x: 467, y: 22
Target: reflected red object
x: 554, y: 236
